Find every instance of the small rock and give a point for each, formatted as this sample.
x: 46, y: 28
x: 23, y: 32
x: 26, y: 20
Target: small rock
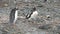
x: 48, y: 16
x: 41, y: 16
x: 15, y: 2
x: 27, y: 5
x: 45, y: 26
x: 40, y: 6
x: 45, y: 0
x: 5, y: 5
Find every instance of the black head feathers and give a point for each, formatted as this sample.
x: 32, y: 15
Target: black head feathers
x: 16, y: 8
x: 34, y: 9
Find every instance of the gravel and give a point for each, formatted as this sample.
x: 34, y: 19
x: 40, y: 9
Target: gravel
x: 47, y: 22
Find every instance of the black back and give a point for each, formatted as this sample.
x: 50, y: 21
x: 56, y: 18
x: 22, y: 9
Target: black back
x: 12, y: 15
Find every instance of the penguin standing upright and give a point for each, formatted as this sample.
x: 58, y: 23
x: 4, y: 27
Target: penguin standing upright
x: 13, y: 15
x: 33, y: 14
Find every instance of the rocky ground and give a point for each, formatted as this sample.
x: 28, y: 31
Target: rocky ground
x: 47, y: 22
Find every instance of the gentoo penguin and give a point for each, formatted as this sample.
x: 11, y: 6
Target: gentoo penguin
x: 13, y: 15
x: 33, y: 14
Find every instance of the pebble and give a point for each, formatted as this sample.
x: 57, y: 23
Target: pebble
x: 48, y: 16
x: 45, y: 27
x: 5, y: 5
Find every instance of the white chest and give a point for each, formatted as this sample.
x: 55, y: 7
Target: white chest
x: 16, y: 14
x: 35, y: 13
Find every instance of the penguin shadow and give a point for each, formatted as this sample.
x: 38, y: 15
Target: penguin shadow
x: 45, y: 27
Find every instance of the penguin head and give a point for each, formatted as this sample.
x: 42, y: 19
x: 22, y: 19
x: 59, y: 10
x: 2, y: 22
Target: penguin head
x: 16, y: 8
x: 34, y: 9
